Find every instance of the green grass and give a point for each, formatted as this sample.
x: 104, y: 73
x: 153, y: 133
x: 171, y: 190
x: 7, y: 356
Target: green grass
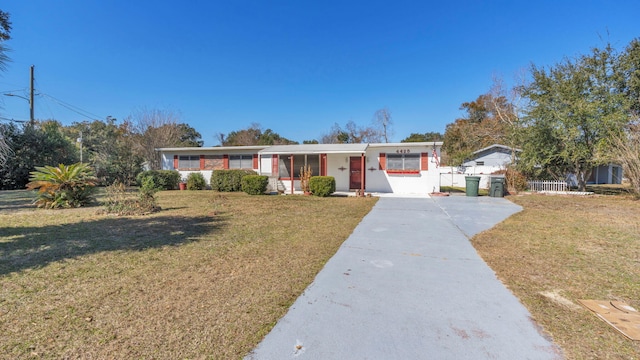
x: 455, y: 189
x: 206, y: 277
x: 578, y: 248
x: 610, y: 189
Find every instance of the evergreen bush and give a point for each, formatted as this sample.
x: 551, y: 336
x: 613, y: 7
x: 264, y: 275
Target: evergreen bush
x: 322, y: 185
x: 255, y: 184
x: 196, y: 181
x: 162, y: 179
x: 229, y: 180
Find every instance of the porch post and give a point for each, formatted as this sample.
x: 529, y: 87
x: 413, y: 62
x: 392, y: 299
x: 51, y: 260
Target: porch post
x: 293, y: 171
x: 362, y: 173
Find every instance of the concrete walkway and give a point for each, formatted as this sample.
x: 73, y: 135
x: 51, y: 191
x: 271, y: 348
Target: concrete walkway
x: 407, y: 284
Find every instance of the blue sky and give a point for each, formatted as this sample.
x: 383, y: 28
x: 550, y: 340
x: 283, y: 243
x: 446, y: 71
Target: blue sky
x: 296, y: 67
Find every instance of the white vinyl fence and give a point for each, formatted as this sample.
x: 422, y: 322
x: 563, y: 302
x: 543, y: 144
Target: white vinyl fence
x: 459, y: 180
x: 548, y: 185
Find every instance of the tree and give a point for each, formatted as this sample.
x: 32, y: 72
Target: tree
x: 5, y: 148
x: 629, y: 67
x: 426, y: 137
x: 189, y: 136
x: 5, y: 34
x: 507, y: 108
x: 108, y: 147
x: 574, y: 108
x: 480, y: 128
x: 351, y: 134
x: 5, y: 26
x: 155, y: 128
x: 5, y: 30
x: 382, y: 118
x: 253, y: 135
x: 626, y: 152
x: 625, y: 148
x: 40, y: 144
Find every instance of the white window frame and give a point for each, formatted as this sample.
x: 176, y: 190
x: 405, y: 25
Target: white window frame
x: 403, y: 162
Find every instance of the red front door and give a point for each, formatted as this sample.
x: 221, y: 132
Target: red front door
x: 355, y: 172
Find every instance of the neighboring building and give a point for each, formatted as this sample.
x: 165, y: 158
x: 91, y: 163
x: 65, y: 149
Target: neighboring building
x: 602, y: 174
x: 403, y: 168
x: 606, y: 174
x: 495, y: 156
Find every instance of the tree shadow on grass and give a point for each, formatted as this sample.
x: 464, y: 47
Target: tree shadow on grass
x: 32, y: 247
x: 15, y: 200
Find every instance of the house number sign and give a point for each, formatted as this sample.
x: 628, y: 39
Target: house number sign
x: 403, y: 151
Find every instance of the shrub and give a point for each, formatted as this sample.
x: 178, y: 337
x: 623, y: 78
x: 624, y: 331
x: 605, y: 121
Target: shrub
x: 305, y: 175
x: 255, y: 184
x: 322, y: 185
x: 229, y: 180
x: 162, y: 179
x: 196, y: 181
x: 64, y: 186
x: 514, y: 179
x: 119, y: 201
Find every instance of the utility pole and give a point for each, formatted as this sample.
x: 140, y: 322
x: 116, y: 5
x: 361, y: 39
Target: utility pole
x: 31, y: 115
x: 32, y: 119
x: 80, y: 141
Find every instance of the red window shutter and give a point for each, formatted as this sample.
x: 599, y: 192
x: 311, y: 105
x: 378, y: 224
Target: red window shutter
x: 255, y: 161
x: 175, y: 161
x: 225, y: 161
x: 424, y: 161
x: 201, y: 162
x: 323, y: 165
x: 383, y: 161
x: 274, y: 165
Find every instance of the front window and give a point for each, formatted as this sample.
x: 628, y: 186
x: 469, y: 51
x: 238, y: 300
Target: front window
x: 403, y: 162
x: 240, y: 161
x: 189, y: 162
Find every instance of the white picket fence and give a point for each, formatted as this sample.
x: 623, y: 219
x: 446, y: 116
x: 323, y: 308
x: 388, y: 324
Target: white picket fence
x: 548, y: 185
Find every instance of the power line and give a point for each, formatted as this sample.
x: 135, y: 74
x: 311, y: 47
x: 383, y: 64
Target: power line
x: 73, y: 108
x: 13, y: 120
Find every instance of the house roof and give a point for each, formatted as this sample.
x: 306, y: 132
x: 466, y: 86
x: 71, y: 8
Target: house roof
x: 496, y: 146
x: 214, y: 148
x: 316, y: 149
x: 406, y: 144
x: 300, y: 149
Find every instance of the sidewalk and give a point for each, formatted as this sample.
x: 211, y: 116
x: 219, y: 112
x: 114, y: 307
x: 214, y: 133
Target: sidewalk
x: 407, y: 284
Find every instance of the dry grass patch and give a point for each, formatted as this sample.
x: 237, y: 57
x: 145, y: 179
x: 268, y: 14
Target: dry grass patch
x: 564, y: 248
x: 206, y: 277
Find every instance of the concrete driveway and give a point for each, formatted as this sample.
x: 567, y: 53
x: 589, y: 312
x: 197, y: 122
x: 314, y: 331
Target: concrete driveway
x: 407, y: 284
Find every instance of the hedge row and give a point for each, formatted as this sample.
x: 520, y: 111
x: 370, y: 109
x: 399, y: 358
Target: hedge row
x: 162, y: 179
x: 229, y: 180
x: 255, y: 184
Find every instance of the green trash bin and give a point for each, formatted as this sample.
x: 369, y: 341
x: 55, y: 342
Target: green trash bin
x: 473, y: 183
x: 497, y: 187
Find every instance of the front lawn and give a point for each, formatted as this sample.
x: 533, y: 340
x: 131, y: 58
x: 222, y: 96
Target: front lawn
x: 560, y: 249
x: 206, y: 277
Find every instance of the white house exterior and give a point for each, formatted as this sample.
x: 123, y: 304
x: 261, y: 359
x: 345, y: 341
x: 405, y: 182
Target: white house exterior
x: 402, y: 168
x: 495, y: 157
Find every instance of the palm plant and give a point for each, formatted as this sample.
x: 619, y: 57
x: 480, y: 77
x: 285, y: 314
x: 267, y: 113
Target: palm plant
x: 63, y: 186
